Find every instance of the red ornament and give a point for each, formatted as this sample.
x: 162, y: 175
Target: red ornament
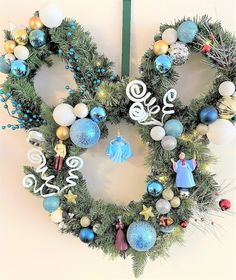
x: 224, y: 204
x: 120, y: 242
x: 206, y: 48
x: 183, y: 224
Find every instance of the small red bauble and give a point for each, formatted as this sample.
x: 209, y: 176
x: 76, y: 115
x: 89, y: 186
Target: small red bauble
x: 224, y: 204
x: 183, y: 224
x: 206, y: 48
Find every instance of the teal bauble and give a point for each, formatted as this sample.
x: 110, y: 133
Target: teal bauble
x: 208, y: 115
x: 167, y: 229
x: 163, y: 63
x: 173, y: 128
x: 51, y: 203
x: 154, y: 188
x: 85, y: 133
x: 37, y: 38
x: 98, y: 114
x: 4, y: 66
x: 187, y: 31
x: 86, y: 235
x: 19, y: 68
x: 141, y: 236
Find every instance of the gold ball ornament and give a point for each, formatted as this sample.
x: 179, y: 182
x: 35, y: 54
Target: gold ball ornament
x: 35, y: 23
x: 63, y: 132
x: 85, y: 221
x: 9, y: 46
x: 175, y: 202
x: 227, y: 107
x: 168, y: 194
x: 21, y: 36
x: 160, y: 47
x: 202, y: 129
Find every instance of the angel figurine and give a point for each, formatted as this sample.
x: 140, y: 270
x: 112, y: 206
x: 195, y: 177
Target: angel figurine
x: 60, y: 150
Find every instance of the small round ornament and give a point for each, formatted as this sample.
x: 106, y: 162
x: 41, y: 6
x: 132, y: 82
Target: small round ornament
x: 9, y: 58
x: 154, y: 188
x: 157, y: 133
x: 63, y: 132
x: 56, y: 216
x: 227, y: 107
x: 160, y: 47
x: 85, y: 221
x: 227, y: 88
x: 35, y: 23
x: 85, y: 133
x: 170, y: 36
x: 34, y: 136
x: 206, y: 48
x: 208, y: 115
x: 183, y: 224
x: 51, y: 15
x: 163, y: 206
x: 224, y: 204
x: 173, y: 128
x: 179, y: 53
x: 187, y: 31
x: 51, y: 203
x: 4, y: 66
x: 163, y: 63
x: 37, y: 38
x: 19, y: 68
x: 96, y: 227
x: 81, y: 110
x: 98, y: 114
x: 169, y: 143
x: 9, y: 46
x: 64, y: 115
x: 86, y: 235
x: 21, y: 52
x: 21, y: 36
x: 175, y: 202
x: 202, y: 129
x: 167, y: 229
x: 141, y: 236
x: 168, y: 194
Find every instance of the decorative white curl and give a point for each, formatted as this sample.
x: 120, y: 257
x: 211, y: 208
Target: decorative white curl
x: 137, y: 91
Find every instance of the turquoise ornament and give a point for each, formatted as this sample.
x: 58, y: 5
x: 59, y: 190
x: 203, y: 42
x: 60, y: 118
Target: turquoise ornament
x: 4, y: 66
x: 19, y: 68
x: 85, y: 133
x: 141, y: 236
x: 154, y: 188
x: 167, y: 229
x: 173, y: 128
x: 98, y: 114
x: 163, y: 63
x: 187, y: 31
x: 208, y: 115
x: 86, y: 235
x: 37, y: 38
x: 51, y: 203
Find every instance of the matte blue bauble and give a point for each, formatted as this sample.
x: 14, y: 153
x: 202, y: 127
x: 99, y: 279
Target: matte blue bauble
x: 163, y: 63
x: 208, y: 115
x: 4, y: 66
x: 85, y: 133
x: 168, y: 229
x: 187, y: 31
x: 141, y: 236
x: 86, y: 235
x: 19, y: 68
x: 173, y: 128
x: 154, y: 188
x: 51, y: 203
x: 98, y: 114
x: 37, y: 38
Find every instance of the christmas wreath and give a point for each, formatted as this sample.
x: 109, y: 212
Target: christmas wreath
x: 178, y: 192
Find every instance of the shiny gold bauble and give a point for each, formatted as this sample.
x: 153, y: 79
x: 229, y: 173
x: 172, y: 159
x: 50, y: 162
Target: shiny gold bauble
x: 227, y: 107
x: 9, y: 46
x: 85, y: 221
x: 175, y: 202
x: 160, y: 47
x: 202, y: 129
x: 63, y: 132
x: 167, y: 194
x: 35, y: 23
x: 21, y: 36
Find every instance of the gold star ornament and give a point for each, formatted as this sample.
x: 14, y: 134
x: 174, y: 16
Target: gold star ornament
x: 147, y: 212
x: 70, y: 197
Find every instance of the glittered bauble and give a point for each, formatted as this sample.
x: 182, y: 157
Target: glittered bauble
x: 221, y: 132
x: 64, y: 115
x: 37, y: 38
x: 19, y: 68
x: 51, y: 15
x: 34, y: 136
x: 154, y: 188
x: 56, y: 216
x: 157, y: 133
x: 51, y: 203
x: 9, y: 58
x: 163, y: 206
x: 227, y: 107
x: 21, y: 52
x: 175, y: 202
x: 208, y: 115
x: 227, y: 88
x: 85, y: 221
x: 183, y: 224
x: 35, y: 23
x: 163, y: 63
x: 169, y: 143
x: 98, y: 114
x: 86, y: 235
x: 173, y: 128
x: 9, y: 46
x: 85, y: 133
x: 202, y: 129
x: 179, y: 53
x: 141, y: 236
x: 81, y: 110
x: 187, y: 31
x: 168, y: 229
x: 160, y: 47
x: 167, y: 194
x: 63, y: 132
x: 224, y: 204
x: 4, y: 66
x: 170, y: 36
x: 21, y: 36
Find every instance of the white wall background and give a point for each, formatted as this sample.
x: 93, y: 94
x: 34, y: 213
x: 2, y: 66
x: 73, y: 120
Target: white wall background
x: 30, y: 245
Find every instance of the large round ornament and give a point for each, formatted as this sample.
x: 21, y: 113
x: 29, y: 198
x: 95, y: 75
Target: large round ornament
x: 21, y: 52
x: 163, y: 63
x: 227, y: 107
x: 175, y: 202
x: 85, y: 221
x: 208, y: 115
x: 170, y: 36
x: 141, y: 236
x: 35, y: 23
x: 34, y: 136
x: 4, y: 66
x: 9, y: 58
x: 86, y: 235
x: 202, y: 129
x: 85, y: 133
x: 51, y: 15
x: 64, y: 115
x: 98, y: 114
x: 187, y: 31
x: 56, y: 216
x: 51, y: 203
x: 19, y: 68
x: 227, y: 88
x: 173, y: 128
x: 9, y: 46
x: 81, y: 110
x: 37, y: 38
x: 21, y: 36
x: 63, y: 132
x: 179, y: 53
x: 169, y: 143
x: 163, y: 206
x: 160, y: 47
x: 221, y: 132
x: 168, y: 194
x: 154, y: 188
x: 157, y: 133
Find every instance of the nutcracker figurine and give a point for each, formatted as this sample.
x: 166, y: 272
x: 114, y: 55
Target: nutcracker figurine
x: 60, y: 150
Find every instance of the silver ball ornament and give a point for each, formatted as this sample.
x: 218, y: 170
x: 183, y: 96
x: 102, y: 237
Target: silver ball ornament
x: 34, y: 136
x: 163, y: 206
x: 169, y: 143
x: 9, y: 58
x: 179, y: 53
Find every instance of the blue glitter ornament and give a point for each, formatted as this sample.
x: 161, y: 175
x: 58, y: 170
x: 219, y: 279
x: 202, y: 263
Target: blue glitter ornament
x: 187, y: 31
x: 86, y: 235
x: 208, y: 115
x: 51, y: 203
x: 141, y: 236
x: 4, y: 66
x: 173, y: 128
x: 98, y: 114
x: 37, y: 38
x: 85, y: 133
x: 163, y: 63
x: 154, y: 188
x: 167, y: 229
x: 19, y: 68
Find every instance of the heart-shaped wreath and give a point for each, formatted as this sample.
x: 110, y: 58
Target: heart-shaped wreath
x: 178, y: 192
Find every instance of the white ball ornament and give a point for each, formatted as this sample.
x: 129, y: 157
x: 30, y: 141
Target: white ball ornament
x: 21, y: 52
x: 51, y: 15
x: 56, y: 216
x: 227, y: 88
x: 157, y: 133
x: 81, y: 110
x: 64, y: 115
x: 169, y: 35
